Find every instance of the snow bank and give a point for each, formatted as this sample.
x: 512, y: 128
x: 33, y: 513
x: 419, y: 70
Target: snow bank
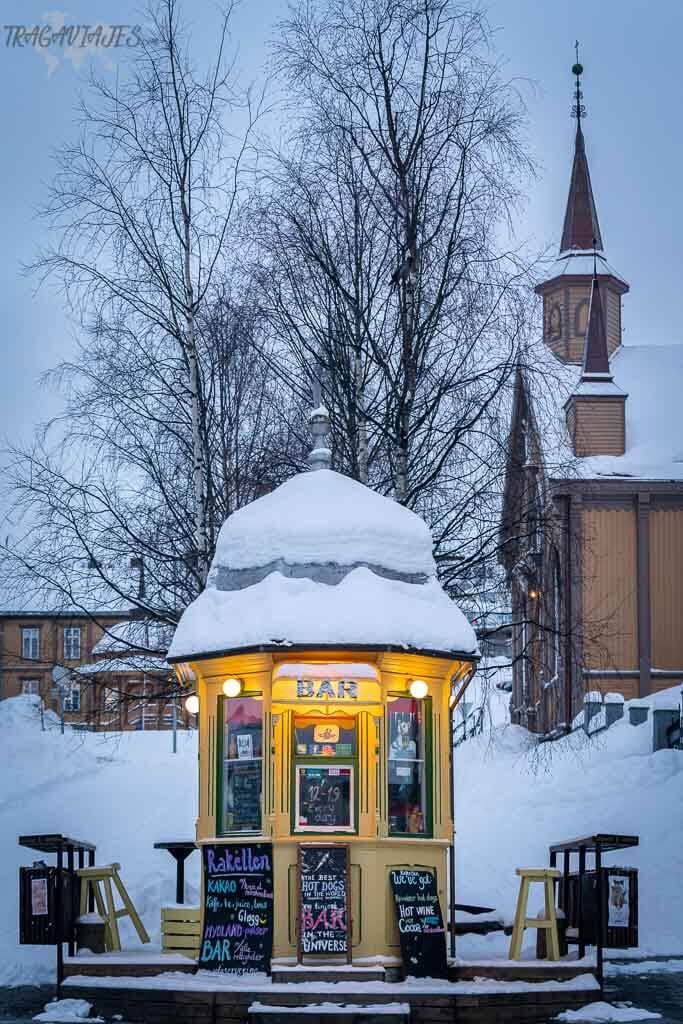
x: 605, y: 1012
x: 362, y: 609
x: 323, y: 516
x: 67, y: 1011
x: 513, y: 798
x: 123, y: 792
x: 378, y: 1009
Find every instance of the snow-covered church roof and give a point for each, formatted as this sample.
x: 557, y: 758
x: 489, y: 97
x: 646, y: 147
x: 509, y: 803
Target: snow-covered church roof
x: 323, y: 561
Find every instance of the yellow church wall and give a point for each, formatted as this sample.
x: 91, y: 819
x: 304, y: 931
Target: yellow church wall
x: 666, y: 587
x: 609, y: 589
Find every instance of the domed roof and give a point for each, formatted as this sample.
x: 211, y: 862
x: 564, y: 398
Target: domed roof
x: 322, y: 561
x: 319, y: 519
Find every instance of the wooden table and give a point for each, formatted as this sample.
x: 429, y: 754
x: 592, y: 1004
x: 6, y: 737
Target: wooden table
x: 180, y: 850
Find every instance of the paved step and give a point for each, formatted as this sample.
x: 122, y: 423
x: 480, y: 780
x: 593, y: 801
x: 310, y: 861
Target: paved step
x: 327, y: 972
x: 330, y: 1013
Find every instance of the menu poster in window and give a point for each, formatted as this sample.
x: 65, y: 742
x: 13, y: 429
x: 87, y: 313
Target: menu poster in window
x: 243, y: 795
x: 420, y: 924
x: 324, y: 900
x: 238, y: 908
x: 324, y: 798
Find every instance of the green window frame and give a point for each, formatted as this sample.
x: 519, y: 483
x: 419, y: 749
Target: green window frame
x: 323, y: 761
x: 396, y: 764
x: 227, y: 765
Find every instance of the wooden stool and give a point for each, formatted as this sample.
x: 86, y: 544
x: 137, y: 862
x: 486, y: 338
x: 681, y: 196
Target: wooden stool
x: 106, y: 874
x: 546, y: 876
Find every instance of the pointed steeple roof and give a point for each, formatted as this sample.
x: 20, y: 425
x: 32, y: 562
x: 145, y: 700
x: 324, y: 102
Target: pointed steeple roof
x: 581, y: 228
x: 595, y: 353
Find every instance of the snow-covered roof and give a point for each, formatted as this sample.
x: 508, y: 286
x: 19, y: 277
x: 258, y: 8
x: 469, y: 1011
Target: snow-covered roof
x: 135, y: 634
x: 133, y: 664
x: 651, y: 376
x: 580, y: 261
x: 323, y: 516
x: 323, y: 561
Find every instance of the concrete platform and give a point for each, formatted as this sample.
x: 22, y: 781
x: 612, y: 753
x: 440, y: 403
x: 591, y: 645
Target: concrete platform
x: 331, y: 1013
x: 127, y: 964
x: 208, y: 998
x: 329, y: 972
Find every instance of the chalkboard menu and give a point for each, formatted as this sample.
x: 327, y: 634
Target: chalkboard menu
x: 324, y: 900
x: 238, y: 908
x: 420, y: 925
x: 243, y: 795
x: 324, y: 798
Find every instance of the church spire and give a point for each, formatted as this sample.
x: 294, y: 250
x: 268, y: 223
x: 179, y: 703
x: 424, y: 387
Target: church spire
x: 581, y: 228
x: 595, y: 355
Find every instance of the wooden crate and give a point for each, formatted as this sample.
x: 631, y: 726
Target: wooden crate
x: 181, y: 930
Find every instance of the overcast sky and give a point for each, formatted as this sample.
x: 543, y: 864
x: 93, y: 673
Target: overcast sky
x: 631, y: 51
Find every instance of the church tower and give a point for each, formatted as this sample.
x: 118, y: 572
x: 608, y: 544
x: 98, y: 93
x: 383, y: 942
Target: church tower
x: 567, y: 291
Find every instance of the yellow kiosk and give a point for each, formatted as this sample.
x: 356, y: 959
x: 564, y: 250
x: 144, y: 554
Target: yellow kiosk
x: 325, y: 661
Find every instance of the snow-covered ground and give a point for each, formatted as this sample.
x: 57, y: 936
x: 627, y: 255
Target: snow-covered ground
x: 514, y: 798
x: 123, y: 792
x: 127, y: 792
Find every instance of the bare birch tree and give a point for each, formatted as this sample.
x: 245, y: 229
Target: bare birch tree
x: 388, y: 231
x: 144, y: 202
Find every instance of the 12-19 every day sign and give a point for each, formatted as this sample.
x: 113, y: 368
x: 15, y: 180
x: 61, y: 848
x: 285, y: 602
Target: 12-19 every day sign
x: 238, y: 908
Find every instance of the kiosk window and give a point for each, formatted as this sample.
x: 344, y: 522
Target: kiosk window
x: 242, y: 754
x: 324, y: 798
x: 408, y: 810
x: 324, y: 774
x: 325, y: 737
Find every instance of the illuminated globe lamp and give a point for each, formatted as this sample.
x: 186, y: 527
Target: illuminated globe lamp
x: 192, y: 704
x: 328, y: 661
x: 232, y: 687
x: 418, y: 689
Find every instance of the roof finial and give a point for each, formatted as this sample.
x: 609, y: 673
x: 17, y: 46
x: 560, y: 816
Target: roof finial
x: 320, y: 456
x: 578, y: 110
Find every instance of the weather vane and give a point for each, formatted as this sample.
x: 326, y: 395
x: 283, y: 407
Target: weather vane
x: 578, y: 110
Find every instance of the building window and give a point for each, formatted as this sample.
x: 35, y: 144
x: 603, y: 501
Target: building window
x: 72, y: 699
x: 241, y: 753
x: 72, y: 643
x: 30, y: 642
x: 408, y: 766
x: 324, y: 773
x: 30, y: 687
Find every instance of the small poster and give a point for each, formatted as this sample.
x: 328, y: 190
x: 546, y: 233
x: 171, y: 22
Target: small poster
x: 403, y: 738
x: 39, y: 897
x: 245, y: 746
x: 618, y: 901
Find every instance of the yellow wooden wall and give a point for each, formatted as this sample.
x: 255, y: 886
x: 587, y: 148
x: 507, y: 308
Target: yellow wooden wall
x: 609, y: 588
x: 666, y: 588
